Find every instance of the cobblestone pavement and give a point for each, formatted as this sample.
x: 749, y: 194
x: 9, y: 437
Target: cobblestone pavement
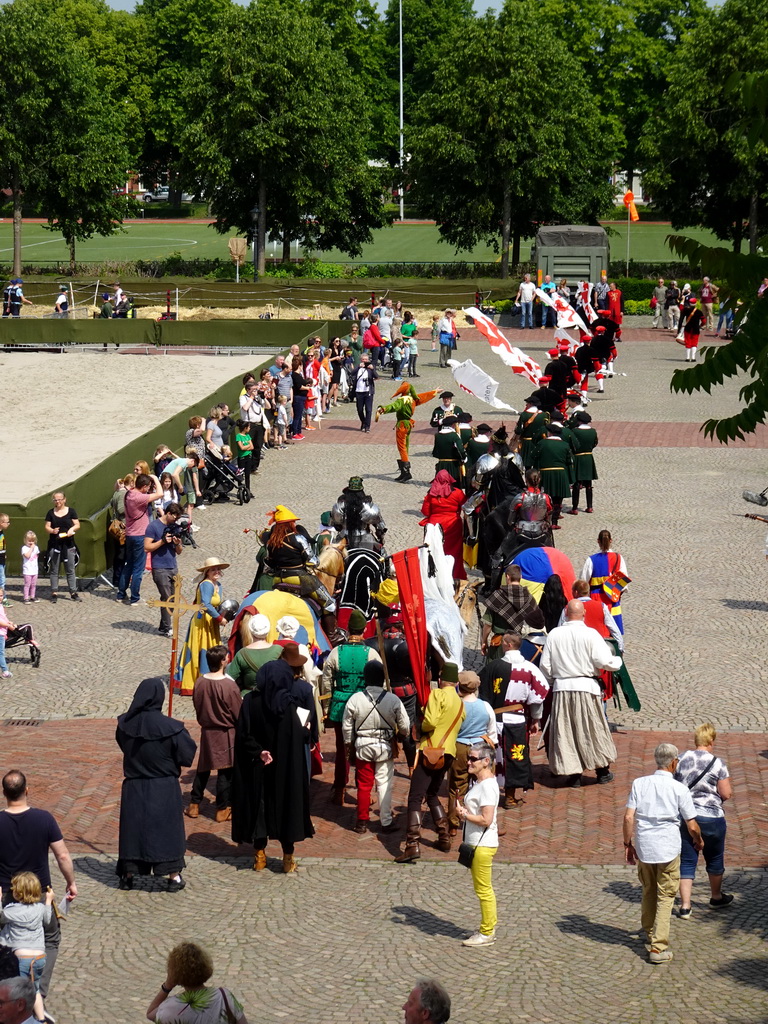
x: 77, y: 776
x: 695, y: 612
x: 341, y: 942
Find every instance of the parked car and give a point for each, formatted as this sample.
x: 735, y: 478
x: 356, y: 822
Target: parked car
x: 159, y: 195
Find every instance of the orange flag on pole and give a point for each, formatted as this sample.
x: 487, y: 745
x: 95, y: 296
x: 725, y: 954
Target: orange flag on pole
x: 629, y: 202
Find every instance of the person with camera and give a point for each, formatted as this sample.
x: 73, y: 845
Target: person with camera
x: 252, y: 406
x: 162, y: 541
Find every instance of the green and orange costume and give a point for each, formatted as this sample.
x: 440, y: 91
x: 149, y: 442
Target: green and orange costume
x: 406, y: 399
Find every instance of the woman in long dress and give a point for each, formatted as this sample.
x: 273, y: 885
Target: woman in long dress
x: 597, y: 569
x: 442, y: 505
x: 204, y: 627
x: 155, y: 748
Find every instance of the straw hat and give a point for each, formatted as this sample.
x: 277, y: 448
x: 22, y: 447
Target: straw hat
x: 212, y: 563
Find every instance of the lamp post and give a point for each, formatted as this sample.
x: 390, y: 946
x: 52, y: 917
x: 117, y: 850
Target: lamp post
x: 402, y: 168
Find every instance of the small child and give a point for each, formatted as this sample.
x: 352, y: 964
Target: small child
x: 435, y: 332
x: 281, y: 423
x: 170, y: 492
x: 398, y: 354
x: 5, y: 522
x: 30, y: 553
x: 226, y: 454
x: 244, y: 446
x: 23, y: 929
x: 309, y: 403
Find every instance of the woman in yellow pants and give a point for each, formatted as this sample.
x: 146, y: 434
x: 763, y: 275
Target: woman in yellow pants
x: 478, y: 812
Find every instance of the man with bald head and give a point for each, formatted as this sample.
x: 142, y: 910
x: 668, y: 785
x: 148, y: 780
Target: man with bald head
x: 579, y: 738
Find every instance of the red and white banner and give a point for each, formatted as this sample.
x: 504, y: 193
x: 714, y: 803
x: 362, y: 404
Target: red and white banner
x: 477, y: 382
x: 512, y: 357
x: 566, y: 314
x: 562, y: 335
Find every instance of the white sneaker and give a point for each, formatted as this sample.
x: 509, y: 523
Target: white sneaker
x: 200, y: 508
x: 480, y: 940
x: 194, y: 528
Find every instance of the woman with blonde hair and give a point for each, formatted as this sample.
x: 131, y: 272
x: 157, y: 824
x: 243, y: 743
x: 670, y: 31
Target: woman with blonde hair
x: 708, y: 780
x: 478, y: 812
x: 189, y: 966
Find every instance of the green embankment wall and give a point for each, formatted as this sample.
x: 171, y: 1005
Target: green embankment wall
x: 278, y: 334
x: 90, y: 493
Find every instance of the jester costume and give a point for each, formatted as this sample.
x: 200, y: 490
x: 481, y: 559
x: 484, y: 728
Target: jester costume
x: 406, y: 399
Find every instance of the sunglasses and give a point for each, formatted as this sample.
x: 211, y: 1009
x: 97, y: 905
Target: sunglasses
x: 473, y: 759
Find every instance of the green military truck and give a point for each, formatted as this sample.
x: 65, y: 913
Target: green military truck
x: 577, y: 252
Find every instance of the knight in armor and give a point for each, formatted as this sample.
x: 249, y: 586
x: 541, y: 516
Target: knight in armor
x: 446, y: 408
x: 357, y: 519
x: 289, y: 556
x: 405, y: 401
x: 531, y: 428
x: 532, y: 515
x: 507, y: 478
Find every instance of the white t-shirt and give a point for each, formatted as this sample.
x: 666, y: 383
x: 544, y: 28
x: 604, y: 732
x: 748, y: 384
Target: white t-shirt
x: 29, y: 556
x: 527, y: 291
x: 482, y: 794
x: 203, y: 1006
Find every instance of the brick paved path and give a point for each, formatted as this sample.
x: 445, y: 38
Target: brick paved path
x: 77, y: 776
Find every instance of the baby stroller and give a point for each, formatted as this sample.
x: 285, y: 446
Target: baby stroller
x: 220, y: 479
x: 23, y: 636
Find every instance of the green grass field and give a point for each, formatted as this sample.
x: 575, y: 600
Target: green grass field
x: 401, y: 243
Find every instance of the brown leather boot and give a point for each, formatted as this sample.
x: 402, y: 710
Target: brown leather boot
x: 259, y: 860
x: 412, y: 850
x: 225, y: 814
x: 440, y: 818
x: 289, y: 864
x: 193, y: 811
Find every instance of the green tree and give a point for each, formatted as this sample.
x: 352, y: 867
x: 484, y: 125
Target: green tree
x: 49, y: 108
x: 701, y: 169
x: 496, y: 149
x: 625, y: 47
x: 183, y: 34
x: 277, y: 123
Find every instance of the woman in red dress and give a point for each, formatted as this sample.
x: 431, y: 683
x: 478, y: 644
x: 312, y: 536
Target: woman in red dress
x: 442, y: 505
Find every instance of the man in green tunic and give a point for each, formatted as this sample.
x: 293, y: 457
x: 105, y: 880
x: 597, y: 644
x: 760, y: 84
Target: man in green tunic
x: 448, y: 449
x: 582, y: 438
x: 531, y: 428
x: 446, y: 408
x: 554, y: 460
x: 406, y: 399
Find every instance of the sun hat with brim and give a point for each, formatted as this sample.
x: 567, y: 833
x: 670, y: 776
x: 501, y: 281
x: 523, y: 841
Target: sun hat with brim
x: 212, y: 563
x: 293, y: 655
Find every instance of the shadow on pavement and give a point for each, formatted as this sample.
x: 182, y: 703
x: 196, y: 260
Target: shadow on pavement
x: 748, y: 606
x: 625, y: 891
x: 427, y: 922
x: 135, y: 627
x: 596, y: 931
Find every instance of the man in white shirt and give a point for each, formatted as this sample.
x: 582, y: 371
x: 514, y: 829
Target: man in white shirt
x: 652, y: 840
x: 525, y: 294
x: 572, y: 659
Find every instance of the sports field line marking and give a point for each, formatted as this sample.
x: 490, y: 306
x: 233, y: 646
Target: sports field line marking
x: 142, y: 245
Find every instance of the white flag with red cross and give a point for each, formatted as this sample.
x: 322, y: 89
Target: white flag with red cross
x: 511, y: 356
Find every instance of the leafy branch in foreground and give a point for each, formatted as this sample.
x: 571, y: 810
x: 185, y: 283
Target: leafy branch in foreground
x: 747, y: 353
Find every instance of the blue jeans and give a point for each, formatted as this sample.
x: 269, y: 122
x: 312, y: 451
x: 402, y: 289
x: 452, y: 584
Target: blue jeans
x: 32, y: 967
x: 133, y: 570
x: 527, y: 308
x: 713, y: 833
x: 3, y: 662
x: 298, y: 412
x: 726, y: 317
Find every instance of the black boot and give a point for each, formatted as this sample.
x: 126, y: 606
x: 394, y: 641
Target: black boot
x: 406, y: 474
x: 441, y: 824
x: 412, y: 850
x: 401, y: 478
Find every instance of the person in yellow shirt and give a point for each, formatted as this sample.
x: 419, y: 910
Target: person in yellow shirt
x: 440, y: 725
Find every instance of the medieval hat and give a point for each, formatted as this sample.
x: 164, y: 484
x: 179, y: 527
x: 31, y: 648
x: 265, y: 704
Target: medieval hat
x: 574, y: 396
x: 281, y: 514
x: 465, y: 417
x: 293, y: 655
x: 501, y: 435
x: 212, y: 563
x: 449, y: 672
x: 483, y: 428
x: 355, y: 483
x: 556, y: 416
x: 449, y: 421
x: 554, y: 352
x: 446, y: 394
x: 555, y: 426
x: 357, y: 622
x: 582, y: 417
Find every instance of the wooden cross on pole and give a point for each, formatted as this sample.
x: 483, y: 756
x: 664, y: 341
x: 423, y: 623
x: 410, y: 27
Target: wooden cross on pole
x: 177, y: 606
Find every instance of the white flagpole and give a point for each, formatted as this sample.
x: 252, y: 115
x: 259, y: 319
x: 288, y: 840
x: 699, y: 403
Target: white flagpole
x: 629, y: 220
